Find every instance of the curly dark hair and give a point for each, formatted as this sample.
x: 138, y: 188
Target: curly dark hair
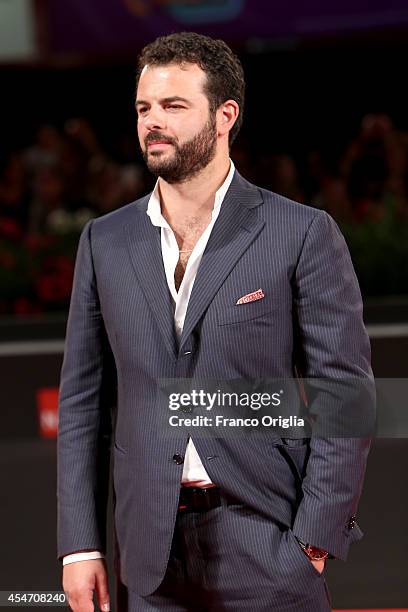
x: 225, y: 75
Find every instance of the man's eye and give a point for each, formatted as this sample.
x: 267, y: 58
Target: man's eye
x: 174, y: 106
x: 142, y: 110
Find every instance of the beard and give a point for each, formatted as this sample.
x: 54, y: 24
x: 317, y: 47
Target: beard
x: 188, y: 159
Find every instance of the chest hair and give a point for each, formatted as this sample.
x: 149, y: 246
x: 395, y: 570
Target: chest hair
x: 187, y: 235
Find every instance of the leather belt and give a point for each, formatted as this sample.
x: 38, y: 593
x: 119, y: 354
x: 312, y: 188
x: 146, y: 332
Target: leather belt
x: 197, y: 499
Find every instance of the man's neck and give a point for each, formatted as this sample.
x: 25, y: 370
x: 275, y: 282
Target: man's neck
x: 195, y: 197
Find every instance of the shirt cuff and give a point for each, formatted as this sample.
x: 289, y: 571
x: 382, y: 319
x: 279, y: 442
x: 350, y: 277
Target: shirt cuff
x: 83, y: 556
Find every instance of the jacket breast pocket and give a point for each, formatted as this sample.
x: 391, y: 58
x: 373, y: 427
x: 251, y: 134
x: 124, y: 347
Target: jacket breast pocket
x: 238, y: 313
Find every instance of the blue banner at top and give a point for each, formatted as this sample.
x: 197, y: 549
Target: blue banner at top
x: 96, y: 26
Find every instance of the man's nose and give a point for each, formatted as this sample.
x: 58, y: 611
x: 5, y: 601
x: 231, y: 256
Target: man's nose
x: 155, y: 119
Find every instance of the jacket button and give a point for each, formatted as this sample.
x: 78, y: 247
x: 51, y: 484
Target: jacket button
x: 352, y: 522
x: 179, y: 459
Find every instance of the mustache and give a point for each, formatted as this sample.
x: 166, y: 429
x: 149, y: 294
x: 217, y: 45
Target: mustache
x: 154, y: 136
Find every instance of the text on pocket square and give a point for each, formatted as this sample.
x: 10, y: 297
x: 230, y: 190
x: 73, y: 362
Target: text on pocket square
x: 251, y: 297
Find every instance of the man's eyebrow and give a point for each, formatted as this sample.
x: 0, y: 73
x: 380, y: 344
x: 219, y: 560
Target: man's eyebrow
x: 165, y: 100
x: 176, y: 99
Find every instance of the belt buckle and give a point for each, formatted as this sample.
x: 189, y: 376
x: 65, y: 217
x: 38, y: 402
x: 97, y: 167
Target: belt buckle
x: 205, y: 499
x: 212, y: 498
x: 200, y: 500
x: 197, y: 499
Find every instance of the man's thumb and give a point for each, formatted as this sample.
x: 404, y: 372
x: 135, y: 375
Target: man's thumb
x: 102, y: 593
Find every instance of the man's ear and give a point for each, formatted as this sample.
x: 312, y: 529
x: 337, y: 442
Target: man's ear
x: 227, y: 114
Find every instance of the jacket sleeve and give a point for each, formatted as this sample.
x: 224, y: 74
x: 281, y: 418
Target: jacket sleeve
x: 335, y: 349
x: 86, y: 396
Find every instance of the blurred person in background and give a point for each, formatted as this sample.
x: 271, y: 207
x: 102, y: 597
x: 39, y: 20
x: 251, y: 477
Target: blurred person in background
x: 210, y: 277
x: 45, y: 152
x: 14, y: 194
x: 333, y: 197
x: 47, y: 200
x: 111, y: 184
x: 375, y: 166
x: 285, y: 178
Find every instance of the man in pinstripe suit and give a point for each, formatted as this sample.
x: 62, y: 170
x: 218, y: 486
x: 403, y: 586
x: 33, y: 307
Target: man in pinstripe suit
x: 204, y: 523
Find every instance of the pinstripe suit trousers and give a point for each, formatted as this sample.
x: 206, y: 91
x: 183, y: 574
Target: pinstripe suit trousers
x: 233, y: 559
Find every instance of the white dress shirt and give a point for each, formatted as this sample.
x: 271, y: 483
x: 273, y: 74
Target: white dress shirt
x: 194, y: 473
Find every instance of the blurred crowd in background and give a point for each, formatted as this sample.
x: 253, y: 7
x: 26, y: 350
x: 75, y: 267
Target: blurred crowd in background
x: 64, y: 177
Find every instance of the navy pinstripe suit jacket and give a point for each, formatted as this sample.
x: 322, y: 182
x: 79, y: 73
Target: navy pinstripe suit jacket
x: 120, y: 339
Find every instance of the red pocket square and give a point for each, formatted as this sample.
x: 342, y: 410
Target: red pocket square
x: 251, y: 297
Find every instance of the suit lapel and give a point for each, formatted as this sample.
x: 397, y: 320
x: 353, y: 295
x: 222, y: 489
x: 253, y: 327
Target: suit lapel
x: 144, y: 244
x: 235, y: 228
